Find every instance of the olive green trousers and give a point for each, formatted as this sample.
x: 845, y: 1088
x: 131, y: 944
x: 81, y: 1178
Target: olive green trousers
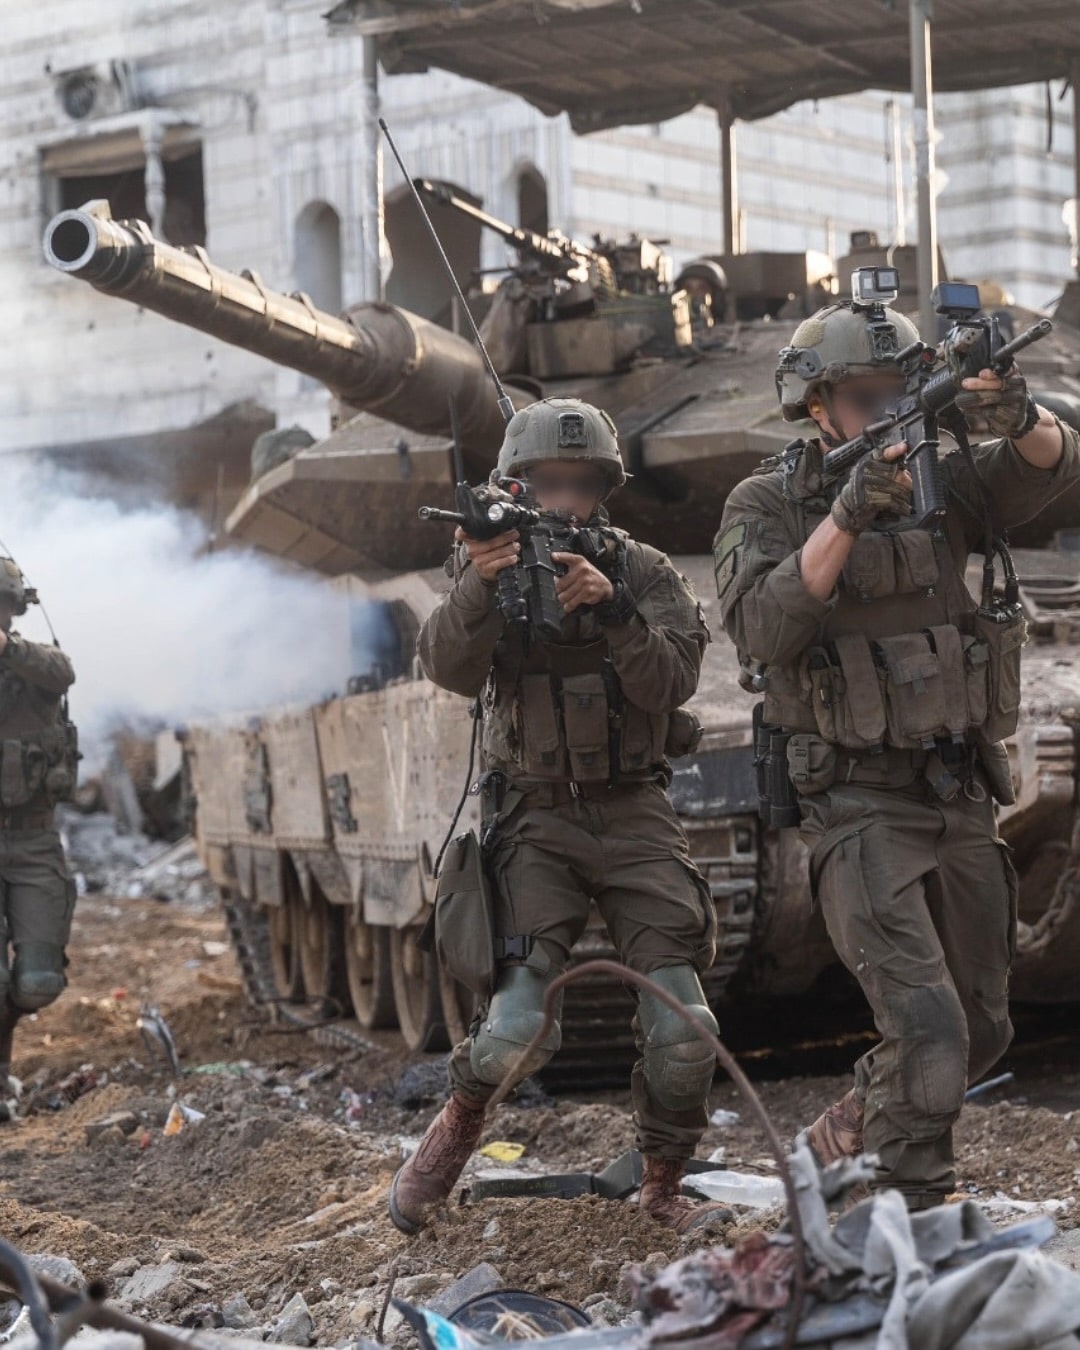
x: 627, y: 852
x: 919, y: 897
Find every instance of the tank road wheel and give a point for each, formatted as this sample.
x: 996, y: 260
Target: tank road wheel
x: 367, y: 965
x: 459, y: 1007
x: 285, y: 953
x: 320, y: 934
x: 415, y: 976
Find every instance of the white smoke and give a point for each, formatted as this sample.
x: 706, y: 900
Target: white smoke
x: 158, y: 633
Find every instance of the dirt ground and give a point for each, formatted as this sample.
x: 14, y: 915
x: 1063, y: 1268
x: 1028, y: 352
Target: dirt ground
x: 281, y: 1187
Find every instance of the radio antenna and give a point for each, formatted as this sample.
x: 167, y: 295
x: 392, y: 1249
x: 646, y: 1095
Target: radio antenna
x: 506, y: 407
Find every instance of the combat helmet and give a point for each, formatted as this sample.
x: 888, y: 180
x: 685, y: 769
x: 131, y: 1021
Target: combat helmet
x: 561, y: 429
x: 834, y: 344
x: 13, y: 585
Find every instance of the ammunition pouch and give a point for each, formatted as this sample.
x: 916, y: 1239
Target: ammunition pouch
x: 464, y: 918
x: 39, y: 765
x: 778, y: 803
x: 916, y: 690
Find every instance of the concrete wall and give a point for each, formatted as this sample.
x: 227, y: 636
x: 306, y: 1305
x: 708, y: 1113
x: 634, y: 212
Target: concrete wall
x: 279, y: 108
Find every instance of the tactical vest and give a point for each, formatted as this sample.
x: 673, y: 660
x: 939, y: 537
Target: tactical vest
x: 904, y: 658
x: 39, y: 746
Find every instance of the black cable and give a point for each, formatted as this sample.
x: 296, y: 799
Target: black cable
x: 474, y: 713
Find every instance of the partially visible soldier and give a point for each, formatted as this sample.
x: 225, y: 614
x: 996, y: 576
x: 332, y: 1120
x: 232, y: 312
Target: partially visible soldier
x: 896, y: 693
x: 576, y: 735
x: 37, y: 768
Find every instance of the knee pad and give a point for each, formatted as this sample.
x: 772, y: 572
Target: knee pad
x: 678, y: 1065
x: 515, y: 1015
x: 38, y: 978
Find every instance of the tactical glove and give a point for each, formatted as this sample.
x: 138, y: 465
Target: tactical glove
x: 874, y: 487
x: 1007, y: 412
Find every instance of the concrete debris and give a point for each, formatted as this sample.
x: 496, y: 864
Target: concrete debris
x: 237, y: 1313
x: 482, y: 1279
x: 295, y: 1326
x: 123, y: 1122
x: 149, y: 1282
x: 129, y: 865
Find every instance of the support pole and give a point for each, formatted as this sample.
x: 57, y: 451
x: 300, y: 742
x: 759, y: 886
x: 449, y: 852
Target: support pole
x: 922, y: 90
x: 372, y: 176
x: 729, y: 179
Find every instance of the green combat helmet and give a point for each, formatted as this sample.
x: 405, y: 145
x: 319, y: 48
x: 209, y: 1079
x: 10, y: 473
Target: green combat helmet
x: 13, y: 586
x: 561, y: 429
x: 834, y: 344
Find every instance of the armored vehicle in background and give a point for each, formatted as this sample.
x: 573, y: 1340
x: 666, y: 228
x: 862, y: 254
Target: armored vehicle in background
x: 320, y: 826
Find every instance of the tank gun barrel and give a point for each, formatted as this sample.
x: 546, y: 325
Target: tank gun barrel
x: 555, y: 252
x: 376, y: 357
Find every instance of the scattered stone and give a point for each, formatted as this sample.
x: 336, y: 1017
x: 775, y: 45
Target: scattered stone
x: 482, y: 1279
x: 548, y: 1279
x: 361, y: 1316
x: 414, y: 1287
x: 189, y: 1254
x: 295, y: 1326
x: 124, y: 1121
x: 107, y: 1137
x: 150, y: 1282
x: 237, y: 1312
x: 491, y: 1231
x: 58, y: 1268
x: 127, y: 1265
x: 604, y: 1312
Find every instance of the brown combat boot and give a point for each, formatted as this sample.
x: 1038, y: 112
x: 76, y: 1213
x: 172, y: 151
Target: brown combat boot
x: 838, y: 1131
x: 661, y: 1199
x: 431, y: 1173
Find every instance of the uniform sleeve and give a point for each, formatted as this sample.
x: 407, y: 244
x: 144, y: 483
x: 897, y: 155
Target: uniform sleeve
x: 39, y: 665
x: 657, y: 654
x: 766, y: 610
x: 457, y: 641
x: 1019, y: 490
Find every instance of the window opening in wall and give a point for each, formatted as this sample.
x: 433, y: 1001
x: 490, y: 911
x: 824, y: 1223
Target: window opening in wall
x: 533, y: 200
x: 124, y: 188
x: 317, y: 263
x: 417, y: 281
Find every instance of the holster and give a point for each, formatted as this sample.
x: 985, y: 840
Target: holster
x: 778, y: 803
x: 464, y: 918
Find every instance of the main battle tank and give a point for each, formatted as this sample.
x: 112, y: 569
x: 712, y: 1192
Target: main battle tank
x: 321, y: 825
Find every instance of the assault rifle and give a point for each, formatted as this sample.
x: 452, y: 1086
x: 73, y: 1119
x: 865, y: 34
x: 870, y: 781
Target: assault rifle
x: 930, y: 388
x: 526, y: 592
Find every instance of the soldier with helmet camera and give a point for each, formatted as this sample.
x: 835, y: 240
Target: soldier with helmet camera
x: 891, y: 690
x: 577, y: 733
x: 38, y: 758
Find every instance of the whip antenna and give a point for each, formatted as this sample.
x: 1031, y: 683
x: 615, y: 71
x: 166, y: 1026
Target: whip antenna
x: 506, y: 407
x: 41, y: 607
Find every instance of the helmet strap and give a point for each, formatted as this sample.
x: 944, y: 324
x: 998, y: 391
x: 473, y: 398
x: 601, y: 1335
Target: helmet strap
x: 828, y: 434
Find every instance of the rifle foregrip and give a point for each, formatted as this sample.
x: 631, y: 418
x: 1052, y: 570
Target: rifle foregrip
x: 511, y: 602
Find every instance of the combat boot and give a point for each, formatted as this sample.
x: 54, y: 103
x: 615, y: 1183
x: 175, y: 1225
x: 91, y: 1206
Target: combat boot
x: 838, y: 1131
x: 430, y: 1174
x: 660, y: 1197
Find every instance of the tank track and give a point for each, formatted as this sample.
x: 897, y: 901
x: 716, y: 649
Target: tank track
x: 597, y: 1015
x: 249, y: 934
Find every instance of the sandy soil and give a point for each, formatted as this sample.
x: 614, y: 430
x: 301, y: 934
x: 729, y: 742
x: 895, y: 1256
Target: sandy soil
x: 281, y: 1188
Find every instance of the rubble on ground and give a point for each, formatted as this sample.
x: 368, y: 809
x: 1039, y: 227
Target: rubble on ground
x: 129, y: 865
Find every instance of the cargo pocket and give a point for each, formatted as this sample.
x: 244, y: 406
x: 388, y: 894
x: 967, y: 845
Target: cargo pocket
x: 914, y: 691
x: 464, y: 922
x: 18, y: 772
x: 705, y: 947
x: 826, y: 685
x: 585, y: 719
x: 946, y: 644
x: 542, y: 754
x: 1003, y: 643
x: 811, y: 764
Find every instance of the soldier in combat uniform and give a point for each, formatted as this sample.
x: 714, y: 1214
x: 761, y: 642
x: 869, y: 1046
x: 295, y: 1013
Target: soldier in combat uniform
x: 584, y: 811
x: 37, y: 768
x: 872, y: 653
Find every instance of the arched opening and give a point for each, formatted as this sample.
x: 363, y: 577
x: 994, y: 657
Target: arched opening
x: 418, y: 281
x: 317, y: 264
x: 532, y: 197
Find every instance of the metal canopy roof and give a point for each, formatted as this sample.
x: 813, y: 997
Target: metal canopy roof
x: 610, y: 62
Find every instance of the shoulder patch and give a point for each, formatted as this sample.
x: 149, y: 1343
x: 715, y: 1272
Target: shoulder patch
x: 726, y: 556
